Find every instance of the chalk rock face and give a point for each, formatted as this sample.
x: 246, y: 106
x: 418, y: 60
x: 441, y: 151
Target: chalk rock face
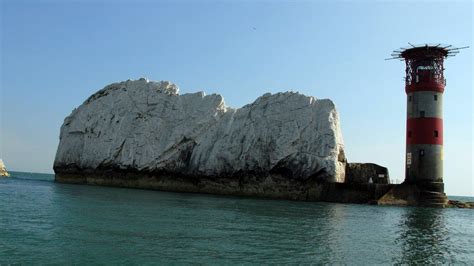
x: 3, y: 170
x: 145, y: 126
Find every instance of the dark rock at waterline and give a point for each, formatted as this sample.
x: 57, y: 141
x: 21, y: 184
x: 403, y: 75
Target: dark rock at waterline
x: 460, y: 204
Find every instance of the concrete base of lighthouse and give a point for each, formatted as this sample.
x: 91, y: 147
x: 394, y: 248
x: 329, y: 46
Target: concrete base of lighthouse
x: 432, y: 194
x: 427, y: 194
x: 424, y: 170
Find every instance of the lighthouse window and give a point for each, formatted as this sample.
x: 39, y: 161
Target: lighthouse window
x: 409, y: 134
x: 435, y: 97
x: 422, y: 113
x: 436, y: 133
x: 409, y: 98
x: 422, y: 152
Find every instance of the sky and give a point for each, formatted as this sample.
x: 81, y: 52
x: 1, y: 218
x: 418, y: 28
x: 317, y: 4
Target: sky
x: 54, y: 54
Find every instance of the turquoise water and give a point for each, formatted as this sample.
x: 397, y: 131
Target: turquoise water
x: 45, y: 222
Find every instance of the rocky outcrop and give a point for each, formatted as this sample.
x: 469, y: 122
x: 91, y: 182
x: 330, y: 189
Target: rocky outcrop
x: 363, y: 173
x: 3, y: 170
x: 460, y: 204
x: 146, y: 132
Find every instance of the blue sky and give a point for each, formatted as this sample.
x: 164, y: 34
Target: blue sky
x: 54, y: 54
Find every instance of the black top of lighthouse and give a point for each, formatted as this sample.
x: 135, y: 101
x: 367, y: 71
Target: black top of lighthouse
x: 425, y: 51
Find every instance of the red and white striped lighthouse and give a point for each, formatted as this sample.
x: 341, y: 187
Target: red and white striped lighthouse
x: 424, y: 87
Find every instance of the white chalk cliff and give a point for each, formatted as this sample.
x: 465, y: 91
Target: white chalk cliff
x: 3, y: 170
x: 146, y: 126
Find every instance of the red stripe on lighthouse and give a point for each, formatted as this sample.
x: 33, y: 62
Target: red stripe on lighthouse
x: 425, y: 86
x: 425, y: 130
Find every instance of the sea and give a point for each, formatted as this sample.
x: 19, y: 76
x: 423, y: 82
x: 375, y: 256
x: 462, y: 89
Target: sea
x: 43, y: 222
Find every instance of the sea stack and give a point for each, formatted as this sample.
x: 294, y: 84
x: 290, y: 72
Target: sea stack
x: 3, y: 170
x: 143, y: 134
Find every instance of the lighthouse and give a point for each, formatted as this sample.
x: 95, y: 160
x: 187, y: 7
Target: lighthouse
x: 424, y: 86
